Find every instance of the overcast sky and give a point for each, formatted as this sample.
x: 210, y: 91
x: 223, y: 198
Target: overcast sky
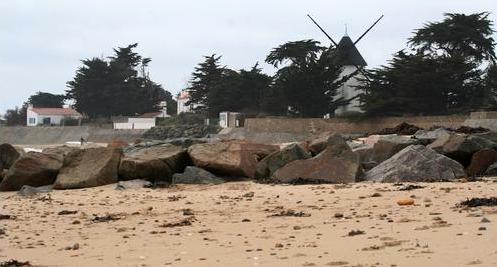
x: 42, y: 41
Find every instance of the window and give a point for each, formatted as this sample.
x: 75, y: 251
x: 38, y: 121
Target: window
x: 32, y: 120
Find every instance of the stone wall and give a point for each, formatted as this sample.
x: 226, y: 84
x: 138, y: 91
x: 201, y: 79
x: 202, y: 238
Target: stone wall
x: 60, y: 135
x: 346, y: 126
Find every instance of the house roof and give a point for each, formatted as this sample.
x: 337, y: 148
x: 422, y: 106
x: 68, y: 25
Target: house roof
x: 347, y: 53
x: 150, y: 114
x: 56, y: 111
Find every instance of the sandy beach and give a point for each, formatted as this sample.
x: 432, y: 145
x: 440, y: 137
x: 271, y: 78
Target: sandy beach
x: 249, y: 224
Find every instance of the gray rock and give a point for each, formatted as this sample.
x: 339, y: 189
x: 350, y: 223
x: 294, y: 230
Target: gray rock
x: 132, y: 184
x: 491, y: 170
x: 389, y: 145
x: 34, y: 169
x: 428, y: 136
x: 336, y: 164
x: 416, y: 163
x: 89, y: 168
x: 27, y: 191
x: 194, y: 175
x: 274, y: 161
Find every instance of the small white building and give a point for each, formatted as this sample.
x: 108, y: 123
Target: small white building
x: 182, y: 99
x: 142, y: 122
x: 50, y: 116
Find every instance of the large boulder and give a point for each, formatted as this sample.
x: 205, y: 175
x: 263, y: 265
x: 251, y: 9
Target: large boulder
x: 89, y: 168
x: 461, y: 147
x: 416, y: 163
x: 389, y: 145
x: 155, y: 163
x: 267, y: 166
x: 194, y: 175
x: 33, y: 169
x: 336, y: 164
x: 480, y: 161
x: 232, y: 158
x: 8, y: 155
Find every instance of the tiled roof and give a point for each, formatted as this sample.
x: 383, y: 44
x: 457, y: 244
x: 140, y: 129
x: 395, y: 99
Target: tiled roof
x: 56, y: 111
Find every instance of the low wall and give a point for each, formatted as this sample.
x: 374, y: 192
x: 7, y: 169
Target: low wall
x: 60, y: 135
x: 345, y: 126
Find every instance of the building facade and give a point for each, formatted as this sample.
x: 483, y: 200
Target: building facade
x: 50, y: 116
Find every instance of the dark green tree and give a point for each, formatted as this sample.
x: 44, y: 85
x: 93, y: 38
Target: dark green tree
x: 16, y: 116
x: 241, y: 91
x: 206, y: 75
x: 309, y: 78
x: 117, y: 86
x: 46, y: 100
x: 461, y: 35
x: 443, y: 74
x: 420, y: 85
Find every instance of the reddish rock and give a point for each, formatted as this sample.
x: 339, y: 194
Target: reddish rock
x: 117, y: 144
x: 33, y: 169
x: 318, y: 144
x: 232, y: 158
x: 336, y: 164
x: 158, y: 162
x: 480, y: 161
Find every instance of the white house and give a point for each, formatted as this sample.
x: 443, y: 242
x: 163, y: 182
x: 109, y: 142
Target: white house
x: 50, y: 116
x: 351, y: 59
x: 142, y: 122
x: 182, y: 99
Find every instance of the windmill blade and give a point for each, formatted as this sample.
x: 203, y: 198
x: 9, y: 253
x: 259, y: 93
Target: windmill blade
x: 366, y: 32
x: 325, y: 33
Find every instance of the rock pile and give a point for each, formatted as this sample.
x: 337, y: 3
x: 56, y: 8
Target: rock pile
x: 426, y: 156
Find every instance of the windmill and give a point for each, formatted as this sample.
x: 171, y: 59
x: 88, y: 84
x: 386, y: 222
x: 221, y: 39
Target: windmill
x: 348, y: 56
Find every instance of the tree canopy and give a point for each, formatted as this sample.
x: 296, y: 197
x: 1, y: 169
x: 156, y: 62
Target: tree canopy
x: 441, y: 75
x: 46, y: 100
x: 308, y: 78
x: 117, y: 86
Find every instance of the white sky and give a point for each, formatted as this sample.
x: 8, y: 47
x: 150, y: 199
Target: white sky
x: 43, y: 41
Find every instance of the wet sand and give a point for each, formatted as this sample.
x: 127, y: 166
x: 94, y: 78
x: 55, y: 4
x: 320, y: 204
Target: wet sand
x: 249, y: 224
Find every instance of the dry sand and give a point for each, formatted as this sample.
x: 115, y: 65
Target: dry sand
x: 230, y: 227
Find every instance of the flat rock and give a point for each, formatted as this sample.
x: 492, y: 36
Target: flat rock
x: 428, y: 136
x: 274, y: 161
x: 89, y: 168
x: 416, y: 163
x: 336, y: 164
x: 133, y: 184
x: 33, y: 169
x: 231, y: 158
x: 194, y: 175
x: 27, y: 190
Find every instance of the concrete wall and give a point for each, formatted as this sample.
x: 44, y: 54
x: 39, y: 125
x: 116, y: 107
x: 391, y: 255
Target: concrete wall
x: 60, y: 135
x: 316, y: 125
